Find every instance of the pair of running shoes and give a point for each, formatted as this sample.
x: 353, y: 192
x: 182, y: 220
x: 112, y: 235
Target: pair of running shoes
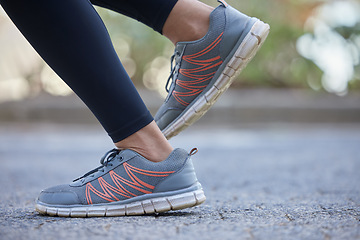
x: 128, y: 184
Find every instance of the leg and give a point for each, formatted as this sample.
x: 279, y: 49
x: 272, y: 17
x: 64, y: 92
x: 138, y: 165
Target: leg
x: 72, y: 39
x: 152, y: 13
x: 178, y: 20
x: 212, y: 47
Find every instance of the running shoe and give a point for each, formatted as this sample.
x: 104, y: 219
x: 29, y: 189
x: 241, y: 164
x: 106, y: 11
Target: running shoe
x: 126, y: 184
x: 205, y: 68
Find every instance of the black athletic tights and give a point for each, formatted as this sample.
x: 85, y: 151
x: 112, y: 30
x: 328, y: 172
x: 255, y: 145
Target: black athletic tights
x: 71, y: 37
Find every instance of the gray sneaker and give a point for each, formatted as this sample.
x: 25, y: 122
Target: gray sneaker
x: 205, y: 68
x: 126, y: 184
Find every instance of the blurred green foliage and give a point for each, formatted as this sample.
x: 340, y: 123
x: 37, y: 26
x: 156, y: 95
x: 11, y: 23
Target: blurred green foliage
x: 313, y: 44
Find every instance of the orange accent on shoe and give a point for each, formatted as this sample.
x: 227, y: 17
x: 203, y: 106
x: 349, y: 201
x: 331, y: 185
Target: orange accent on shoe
x: 192, y: 86
x: 193, y: 151
x: 223, y: 3
x: 135, y: 183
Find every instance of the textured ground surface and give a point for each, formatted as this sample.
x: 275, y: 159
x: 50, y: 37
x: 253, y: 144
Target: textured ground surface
x: 273, y: 182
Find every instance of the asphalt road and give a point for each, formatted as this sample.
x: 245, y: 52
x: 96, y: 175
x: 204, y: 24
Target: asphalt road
x: 261, y: 182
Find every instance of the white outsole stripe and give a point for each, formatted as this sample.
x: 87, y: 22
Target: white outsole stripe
x: 148, y: 206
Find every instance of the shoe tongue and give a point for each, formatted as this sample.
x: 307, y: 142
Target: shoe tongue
x: 180, y: 47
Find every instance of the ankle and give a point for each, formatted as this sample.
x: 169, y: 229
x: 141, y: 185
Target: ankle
x: 148, y: 142
x: 152, y: 154
x: 188, y: 21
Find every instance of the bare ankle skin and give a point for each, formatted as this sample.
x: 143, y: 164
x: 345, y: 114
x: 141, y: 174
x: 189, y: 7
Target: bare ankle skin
x: 188, y: 21
x: 148, y: 142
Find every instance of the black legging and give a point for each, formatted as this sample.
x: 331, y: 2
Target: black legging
x: 71, y: 37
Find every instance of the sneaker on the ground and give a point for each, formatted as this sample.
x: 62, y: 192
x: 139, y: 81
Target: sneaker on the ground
x: 126, y: 184
x: 205, y: 68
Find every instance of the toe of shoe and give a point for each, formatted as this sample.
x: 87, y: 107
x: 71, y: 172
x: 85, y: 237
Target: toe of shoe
x: 59, y: 195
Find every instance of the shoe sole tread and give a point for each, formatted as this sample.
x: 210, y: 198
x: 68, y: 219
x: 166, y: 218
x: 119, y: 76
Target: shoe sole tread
x: 148, y: 206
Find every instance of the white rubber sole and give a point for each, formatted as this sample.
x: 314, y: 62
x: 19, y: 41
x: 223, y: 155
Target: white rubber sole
x: 245, y: 52
x: 148, y: 206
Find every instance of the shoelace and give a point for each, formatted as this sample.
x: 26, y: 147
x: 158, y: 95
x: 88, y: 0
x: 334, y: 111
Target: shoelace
x: 104, y: 161
x: 173, y: 68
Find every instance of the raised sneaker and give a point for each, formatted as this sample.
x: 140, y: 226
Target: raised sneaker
x: 205, y: 68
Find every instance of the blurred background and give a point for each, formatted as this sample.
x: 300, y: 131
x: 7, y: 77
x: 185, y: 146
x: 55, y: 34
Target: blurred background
x: 287, y: 132
x: 313, y: 48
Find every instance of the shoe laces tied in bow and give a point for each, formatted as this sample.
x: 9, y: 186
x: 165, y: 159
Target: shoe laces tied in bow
x: 104, y: 161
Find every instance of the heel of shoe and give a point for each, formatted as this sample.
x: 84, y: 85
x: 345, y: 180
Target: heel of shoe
x: 181, y: 179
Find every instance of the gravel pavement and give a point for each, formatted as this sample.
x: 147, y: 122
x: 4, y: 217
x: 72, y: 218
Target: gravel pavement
x: 271, y: 181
